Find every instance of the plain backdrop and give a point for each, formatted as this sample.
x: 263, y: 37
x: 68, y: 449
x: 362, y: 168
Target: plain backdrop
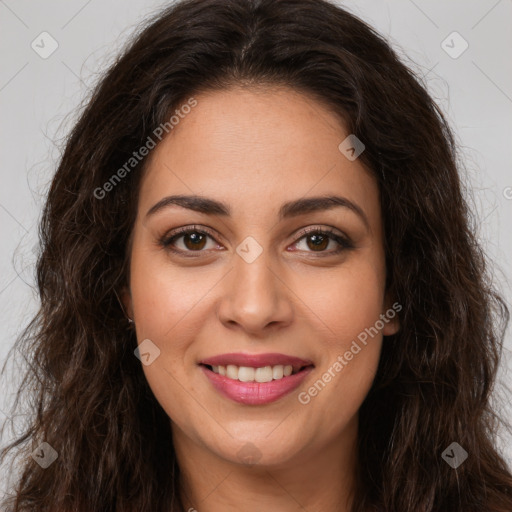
x: 460, y: 48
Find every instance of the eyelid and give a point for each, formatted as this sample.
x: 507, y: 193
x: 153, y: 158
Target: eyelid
x: 316, y: 229
x: 188, y: 229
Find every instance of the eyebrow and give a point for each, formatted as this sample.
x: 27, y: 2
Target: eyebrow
x: 288, y: 210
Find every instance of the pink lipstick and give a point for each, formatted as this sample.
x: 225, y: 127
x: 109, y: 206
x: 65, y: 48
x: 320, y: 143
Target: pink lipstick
x: 255, y: 379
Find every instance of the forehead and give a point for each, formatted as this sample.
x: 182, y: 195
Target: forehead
x: 255, y: 149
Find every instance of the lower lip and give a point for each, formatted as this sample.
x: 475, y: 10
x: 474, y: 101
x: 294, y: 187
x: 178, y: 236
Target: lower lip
x: 255, y: 393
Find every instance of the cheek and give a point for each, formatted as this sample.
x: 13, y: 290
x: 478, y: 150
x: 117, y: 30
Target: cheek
x: 349, y: 306
x: 165, y: 297
x: 168, y: 304
x: 345, y: 301
x: 163, y: 306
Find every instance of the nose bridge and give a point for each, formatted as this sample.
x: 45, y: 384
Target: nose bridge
x: 254, y: 296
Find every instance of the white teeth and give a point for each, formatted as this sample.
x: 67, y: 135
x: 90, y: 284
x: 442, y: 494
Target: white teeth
x: 277, y: 372
x: 248, y: 374
x: 232, y: 371
x: 264, y: 374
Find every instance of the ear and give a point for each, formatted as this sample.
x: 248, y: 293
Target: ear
x: 390, y: 315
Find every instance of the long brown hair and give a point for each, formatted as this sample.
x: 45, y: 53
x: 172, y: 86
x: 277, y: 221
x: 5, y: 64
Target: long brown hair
x: 85, y: 389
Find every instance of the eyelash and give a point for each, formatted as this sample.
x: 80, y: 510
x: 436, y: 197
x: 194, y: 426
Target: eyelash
x: 344, y: 242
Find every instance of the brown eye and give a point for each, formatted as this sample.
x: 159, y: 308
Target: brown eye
x: 194, y: 240
x: 318, y: 242
x: 187, y: 240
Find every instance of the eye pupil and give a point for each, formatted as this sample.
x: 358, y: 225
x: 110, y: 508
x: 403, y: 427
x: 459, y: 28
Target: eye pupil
x: 197, y: 239
x: 319, y: 241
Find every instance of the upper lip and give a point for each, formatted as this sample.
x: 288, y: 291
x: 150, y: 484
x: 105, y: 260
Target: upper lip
x: 257, y: 360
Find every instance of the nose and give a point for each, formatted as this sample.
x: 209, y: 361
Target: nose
x: 255, y: 297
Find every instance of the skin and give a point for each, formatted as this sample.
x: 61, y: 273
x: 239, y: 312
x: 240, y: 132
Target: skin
x: 254, y: 149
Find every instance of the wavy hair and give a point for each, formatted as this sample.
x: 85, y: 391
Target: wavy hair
x: 84, y: 388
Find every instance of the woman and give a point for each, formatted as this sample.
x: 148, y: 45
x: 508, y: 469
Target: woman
x: 259, y: 286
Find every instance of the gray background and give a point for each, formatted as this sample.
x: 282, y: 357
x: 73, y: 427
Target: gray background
x: 39, y: 97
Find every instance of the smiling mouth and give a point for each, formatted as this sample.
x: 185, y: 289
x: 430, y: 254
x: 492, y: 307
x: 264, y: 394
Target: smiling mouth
x: 261, y: 374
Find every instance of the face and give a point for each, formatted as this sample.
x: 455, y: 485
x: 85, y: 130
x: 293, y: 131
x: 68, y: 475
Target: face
x: 267, y: 278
